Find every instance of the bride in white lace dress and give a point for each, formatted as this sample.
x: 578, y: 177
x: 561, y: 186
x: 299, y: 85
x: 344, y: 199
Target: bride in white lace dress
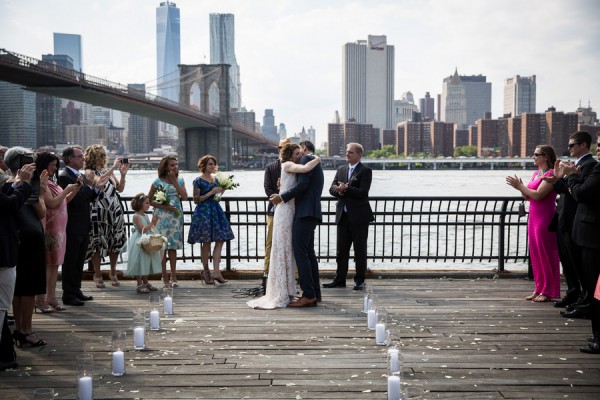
x: 281, y: 283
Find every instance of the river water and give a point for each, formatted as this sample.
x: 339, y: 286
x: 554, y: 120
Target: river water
x: 385, y: 183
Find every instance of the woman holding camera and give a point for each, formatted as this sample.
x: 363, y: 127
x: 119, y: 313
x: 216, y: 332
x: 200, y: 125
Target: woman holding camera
x: 107, y: 235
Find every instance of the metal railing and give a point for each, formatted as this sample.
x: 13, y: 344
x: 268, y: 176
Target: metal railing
x: 429, y: 229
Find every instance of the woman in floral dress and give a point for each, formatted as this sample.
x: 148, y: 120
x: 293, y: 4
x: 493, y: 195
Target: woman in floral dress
x: 107, y: 236
x: 209, y: 223
x: 165, y: 195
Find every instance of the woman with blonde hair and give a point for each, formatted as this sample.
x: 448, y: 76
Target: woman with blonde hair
x: 107, y: 235
x: 166, y: 193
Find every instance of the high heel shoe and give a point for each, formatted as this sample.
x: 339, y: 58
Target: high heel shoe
x: 114, y: 281
x: 43, y: 307
x: 18, y: 338
x: 218, y: 277
x: 207, y: 278
x: 99, y: 282
x: 33, y: 340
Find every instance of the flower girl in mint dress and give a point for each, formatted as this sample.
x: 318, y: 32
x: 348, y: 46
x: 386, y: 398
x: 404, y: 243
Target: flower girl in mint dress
x: 140, y: 263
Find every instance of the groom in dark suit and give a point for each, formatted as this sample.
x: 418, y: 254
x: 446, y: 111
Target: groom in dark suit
x: 353, y: 214
x: 307, y: 192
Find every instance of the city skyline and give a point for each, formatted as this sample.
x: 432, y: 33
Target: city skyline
x: 291, y: 55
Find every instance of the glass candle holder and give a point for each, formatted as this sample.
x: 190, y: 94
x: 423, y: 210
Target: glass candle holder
x: 84, y: 376
x: 168, y: 301
x: 43, y: 394
x: 155, y: 301
x: 118, y: 353
x: 380, y: 326
x: 394, y: 365
x: 367, y: 302
x: 372, y: 318
x: 139, y: 330
x: 393, y: 389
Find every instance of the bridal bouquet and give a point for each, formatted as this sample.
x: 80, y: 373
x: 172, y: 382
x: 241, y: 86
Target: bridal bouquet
x: 226, y: 182
x: 161, y: 196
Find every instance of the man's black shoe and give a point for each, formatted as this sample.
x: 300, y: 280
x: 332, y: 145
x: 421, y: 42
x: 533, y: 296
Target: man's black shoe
x: 359, y: 286
x: 83, y: 297
x: 4, y: 365
x: 564, y: 302
x: 73, y: 302
x: 333, y: 284
x: 591, y: 348
x: 576, y: 313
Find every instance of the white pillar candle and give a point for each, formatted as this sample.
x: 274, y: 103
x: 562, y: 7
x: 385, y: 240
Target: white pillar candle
x: 154, y: 320
x: 168, y: 305
x: 138, y: 338
x: 380, y: 333
x: 394, y: 363
x: 85, y: 388
x: 393, y: 387
x: 371, y: 319
x: 370, y: 305
x: 118, y: 363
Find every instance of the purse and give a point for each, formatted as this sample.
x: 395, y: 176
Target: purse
x: 522, y: 211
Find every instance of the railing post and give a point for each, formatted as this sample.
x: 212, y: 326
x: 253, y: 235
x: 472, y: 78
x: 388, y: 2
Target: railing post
x: 501, y: 228
x: 228, y: 242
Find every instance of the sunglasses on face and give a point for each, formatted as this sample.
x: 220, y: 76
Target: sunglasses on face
x: 539, y: 154
x: 571, y: 145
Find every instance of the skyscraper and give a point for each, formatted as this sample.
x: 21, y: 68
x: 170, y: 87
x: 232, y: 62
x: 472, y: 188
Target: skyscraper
x: 268, y: 126
x: 478, y: 94
x: 70, y: 45
x: 465, y: 99
x: 168, y: 53
x: 222, y: 51
x: 368, y: 82
x: 17, y: 116
x: 519, y: 95
x: 427, y: 107
x: 143, y: 132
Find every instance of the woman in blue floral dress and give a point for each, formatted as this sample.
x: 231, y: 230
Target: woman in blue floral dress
x: 165, y: 195
x: 209, y: 223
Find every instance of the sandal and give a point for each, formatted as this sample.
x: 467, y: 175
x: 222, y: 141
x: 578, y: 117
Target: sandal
x: 142, y: 289
x: 218, y: 277
x: 57, y: 307
x: 542, y: 299
x: 207, y: 278
x: 114, y: 281
x: 99, y: 283
x: 174, y: 283
x: 32, y: 339
x: 532, y: 296
x: 150, y: 287
x: 43, y: 307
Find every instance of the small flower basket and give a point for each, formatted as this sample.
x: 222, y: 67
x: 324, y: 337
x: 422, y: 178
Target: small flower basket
x: 152, y: 243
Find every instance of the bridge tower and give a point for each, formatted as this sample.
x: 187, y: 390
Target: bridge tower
x: 206, y: 87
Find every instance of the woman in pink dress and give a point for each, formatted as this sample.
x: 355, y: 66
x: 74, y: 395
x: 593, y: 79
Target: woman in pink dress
x: 543, y: 248
x: 56, y: 200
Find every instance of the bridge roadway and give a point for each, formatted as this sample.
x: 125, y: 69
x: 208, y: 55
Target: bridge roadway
x: 53, y: 80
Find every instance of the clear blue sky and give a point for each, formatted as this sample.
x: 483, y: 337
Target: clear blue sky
x: 290, y: 51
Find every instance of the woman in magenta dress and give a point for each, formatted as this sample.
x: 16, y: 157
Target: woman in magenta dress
x: 55, y: 229
x: 543, y: 248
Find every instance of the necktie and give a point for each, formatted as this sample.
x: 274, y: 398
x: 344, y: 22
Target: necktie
x: 350, y: 172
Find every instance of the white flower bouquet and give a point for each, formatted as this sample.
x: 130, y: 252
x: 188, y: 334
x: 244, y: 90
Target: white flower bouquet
x: 226, y: 182
x: 161, y: 196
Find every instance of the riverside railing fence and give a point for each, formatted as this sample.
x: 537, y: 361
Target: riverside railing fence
x: 431, y: 230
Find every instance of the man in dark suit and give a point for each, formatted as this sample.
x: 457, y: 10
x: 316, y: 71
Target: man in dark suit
x: 271, y: 183
x: 78, y: 225
x: 586, y: 235
x: 12, y: 197
x: 353, y: 214
x: 307, y: 192
x: 576, y: 299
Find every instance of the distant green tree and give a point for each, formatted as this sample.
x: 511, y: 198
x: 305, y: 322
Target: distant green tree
x: 320, y: 152
x: 388, y: 151
x: 465, y: 151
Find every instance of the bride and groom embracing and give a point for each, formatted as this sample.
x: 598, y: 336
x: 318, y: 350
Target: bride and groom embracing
x: 297, y: 213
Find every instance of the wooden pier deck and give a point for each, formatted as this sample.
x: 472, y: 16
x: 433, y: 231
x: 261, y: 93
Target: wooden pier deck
x: 460, y: 338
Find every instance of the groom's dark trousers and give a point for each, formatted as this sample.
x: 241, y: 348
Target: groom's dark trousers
x: 303, y: 234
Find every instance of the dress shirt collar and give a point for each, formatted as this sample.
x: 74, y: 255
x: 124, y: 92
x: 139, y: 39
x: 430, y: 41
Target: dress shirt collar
x: 580, y: 158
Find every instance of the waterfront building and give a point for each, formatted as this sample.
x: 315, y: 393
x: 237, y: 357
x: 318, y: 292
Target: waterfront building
x: 461, y: 137
x: 427, y: 107
x: 586, y: 115
x: 417, y: 137
x: 70, y: 114
x: 335, y: 139
x: 17, y: 116
x: 453, y: 105
x: 368, y: 82
x: 519, y: 95
x: 49, y: 125
x: 487, y: 137
x: 70, y: 45
x: 389, y: 138
x: 268, y: 125
x: 559, y: 126
x: 245, y: 118
x: 472, y: 135
x: 399, y: 140
x: 478, y: 94
x: 282, y: 132
x: 311, y: 135
x: 533, y: 132
x: 222, y: 51
x: 86, y: 135
x: 405, y: 108
x: 101, y: 116
x: 442, y: 138
x: 339, y: 135
x: 142, y: 132
x: 514, y: 137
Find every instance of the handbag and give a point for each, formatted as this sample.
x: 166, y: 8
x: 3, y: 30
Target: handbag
x: 522, y: 212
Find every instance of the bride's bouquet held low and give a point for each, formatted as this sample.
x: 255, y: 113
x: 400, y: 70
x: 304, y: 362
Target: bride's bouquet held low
x: 225, y: 182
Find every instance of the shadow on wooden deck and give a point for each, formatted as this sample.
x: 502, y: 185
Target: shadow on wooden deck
x: 460, y: 339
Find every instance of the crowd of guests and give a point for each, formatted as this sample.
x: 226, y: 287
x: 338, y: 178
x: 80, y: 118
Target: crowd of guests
x: 51, y: 218
x: 567, y: 233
